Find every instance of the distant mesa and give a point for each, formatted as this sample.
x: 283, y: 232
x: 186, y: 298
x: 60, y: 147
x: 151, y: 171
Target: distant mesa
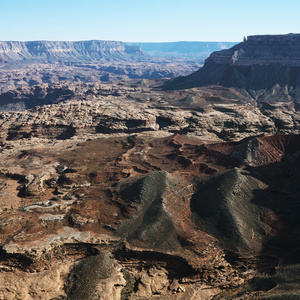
x: 48, y: 62
x: 199, y: 50
x: 259, y: 62
x: 96, y: 49
x: 67, y: 51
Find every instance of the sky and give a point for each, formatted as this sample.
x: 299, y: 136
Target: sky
x: 146, y: 21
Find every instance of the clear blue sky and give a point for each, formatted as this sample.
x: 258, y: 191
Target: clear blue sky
x: 146, y: 21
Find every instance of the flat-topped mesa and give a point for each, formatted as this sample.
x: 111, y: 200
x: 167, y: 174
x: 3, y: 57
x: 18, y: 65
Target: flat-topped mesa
x: 260, y: 62
x: 261, y: 50
x: 291, y: 37
x: 53, y: 50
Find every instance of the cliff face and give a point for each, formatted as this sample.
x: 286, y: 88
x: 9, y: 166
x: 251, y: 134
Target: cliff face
x: 82, y: 50
x: 261, y: 50
x: 259, y: 62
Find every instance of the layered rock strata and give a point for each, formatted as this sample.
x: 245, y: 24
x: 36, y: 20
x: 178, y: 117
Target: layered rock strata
x: 258, y: 63
x: 68, y: 51
x: 74, y: 110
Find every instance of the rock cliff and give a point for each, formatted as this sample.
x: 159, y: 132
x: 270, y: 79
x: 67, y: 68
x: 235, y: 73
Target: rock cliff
x: 67, y: 51
x: 258, y: 63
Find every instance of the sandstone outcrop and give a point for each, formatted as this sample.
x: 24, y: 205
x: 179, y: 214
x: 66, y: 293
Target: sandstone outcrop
x: 65, y: 110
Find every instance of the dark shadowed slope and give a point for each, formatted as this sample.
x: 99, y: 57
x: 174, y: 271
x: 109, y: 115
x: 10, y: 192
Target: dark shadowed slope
x: 223, y: 207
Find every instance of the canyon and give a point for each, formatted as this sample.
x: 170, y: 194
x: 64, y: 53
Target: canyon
x: 32, y: 63
x: 36, y: 62
x: 144, y: 188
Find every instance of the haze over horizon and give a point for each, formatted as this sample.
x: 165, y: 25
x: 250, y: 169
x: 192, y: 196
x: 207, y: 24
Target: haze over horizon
x: 151, y: 21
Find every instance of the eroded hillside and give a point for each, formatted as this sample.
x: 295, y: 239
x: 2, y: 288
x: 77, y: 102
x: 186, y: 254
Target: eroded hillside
x: 124, y: 191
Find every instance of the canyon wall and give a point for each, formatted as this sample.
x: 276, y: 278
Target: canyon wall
x: 51, y: 50
x: 258, y: 63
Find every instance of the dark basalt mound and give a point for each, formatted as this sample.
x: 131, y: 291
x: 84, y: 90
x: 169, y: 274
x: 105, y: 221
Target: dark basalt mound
x: 258, y: 63
x: 152, y: 227
x: 83, y: 279
x: 230, y: 206
x: 223, y: 207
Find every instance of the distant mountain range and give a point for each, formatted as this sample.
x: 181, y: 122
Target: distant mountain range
x: 199, y: 50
